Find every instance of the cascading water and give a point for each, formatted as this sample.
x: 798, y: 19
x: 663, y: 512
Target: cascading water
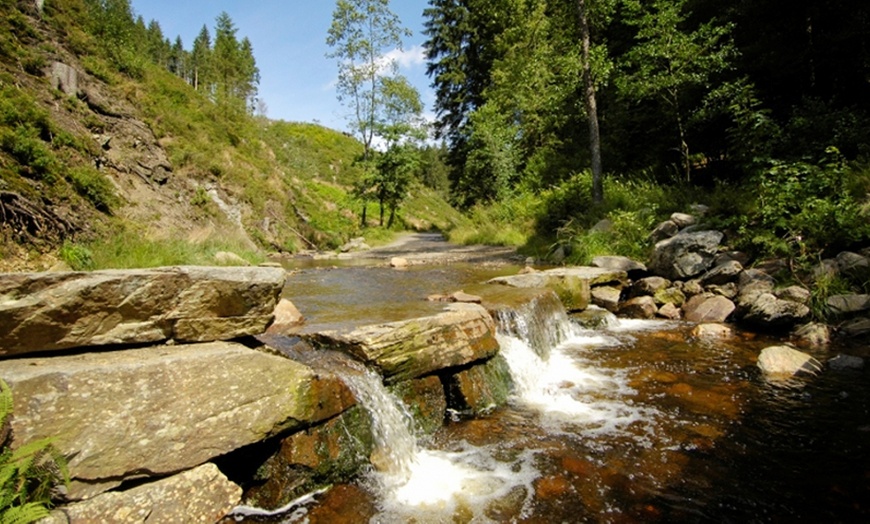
x: 635, y: 422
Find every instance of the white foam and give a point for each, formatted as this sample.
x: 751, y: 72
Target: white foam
x: 444, y: 483
x: 567, y: 392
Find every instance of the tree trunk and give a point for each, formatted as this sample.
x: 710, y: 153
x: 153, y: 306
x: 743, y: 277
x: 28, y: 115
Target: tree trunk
x: 591, y: 104
x: 365, y: 207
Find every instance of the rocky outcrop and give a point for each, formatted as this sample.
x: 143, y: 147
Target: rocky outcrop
x: 42, y: 312
x: 573, y: 285
x: 201, y: 495
x: 403, y: 350
x: 156, y: 411
x: 779, y: 362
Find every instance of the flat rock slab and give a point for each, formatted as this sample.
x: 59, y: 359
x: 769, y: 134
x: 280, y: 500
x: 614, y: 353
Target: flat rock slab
x: 201, y: 495
x: 407, y: 349
x: 55, y: 311
x: 572, y: 284
x: 155, y: 411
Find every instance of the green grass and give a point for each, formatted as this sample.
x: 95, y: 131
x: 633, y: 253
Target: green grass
x: 130, y: 249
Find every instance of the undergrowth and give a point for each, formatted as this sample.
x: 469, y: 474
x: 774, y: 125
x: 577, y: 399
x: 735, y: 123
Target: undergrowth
x: 28, y: 474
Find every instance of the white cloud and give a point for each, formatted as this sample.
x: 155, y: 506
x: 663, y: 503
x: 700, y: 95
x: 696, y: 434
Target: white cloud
x: 407, y: 58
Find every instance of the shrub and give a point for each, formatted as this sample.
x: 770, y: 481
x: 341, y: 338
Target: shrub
x: 804, y: 210
x: 28, y: 474
x: 94, y: 187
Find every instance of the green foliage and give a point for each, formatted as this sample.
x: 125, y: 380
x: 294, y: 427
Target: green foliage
x: 76, y: 256
x: 803, y: 210
x: 508, y: 222
x: 28, y: 474
x: 35, y: 159
x: 825, y: 286
x: 125, y: 249
x: 94, y: 187
x: 361, y: 34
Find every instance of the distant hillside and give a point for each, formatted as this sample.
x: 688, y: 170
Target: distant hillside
x: 107, y: 165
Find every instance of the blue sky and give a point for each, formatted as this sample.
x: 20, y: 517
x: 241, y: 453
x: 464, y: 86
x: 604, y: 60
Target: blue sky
x: 289, y: 41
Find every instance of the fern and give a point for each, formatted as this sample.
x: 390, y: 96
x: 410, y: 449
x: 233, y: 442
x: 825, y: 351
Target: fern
x: 28, y: 474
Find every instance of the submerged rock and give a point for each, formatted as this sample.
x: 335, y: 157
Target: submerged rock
x: 843, y: 362
x: 784, y: 362
x: 712, y: 331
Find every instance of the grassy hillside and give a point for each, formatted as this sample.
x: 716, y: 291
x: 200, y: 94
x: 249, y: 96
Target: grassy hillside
x: 133, y: 167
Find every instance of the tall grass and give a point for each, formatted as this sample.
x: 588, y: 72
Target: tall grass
x: 128, y: 249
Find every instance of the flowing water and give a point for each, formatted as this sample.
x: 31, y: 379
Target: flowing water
x: 634, y: 422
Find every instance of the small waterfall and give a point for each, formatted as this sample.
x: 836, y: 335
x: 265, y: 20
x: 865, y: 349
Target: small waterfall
x: 541, y: 322
x: 545, y: 353
x: 396, y: 446
x: 419, y: 484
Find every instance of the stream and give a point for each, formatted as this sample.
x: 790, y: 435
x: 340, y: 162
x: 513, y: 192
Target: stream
x: 633, y: 422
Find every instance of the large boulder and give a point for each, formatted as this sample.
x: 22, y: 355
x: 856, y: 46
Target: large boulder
x: 572, y: 284
x: 722, y: 274
x: 54, y: 311
x: 639, y: 307
x: 199, y: 495
x: 848, y: 304
x: 685, y: 255
x: 461, y: 334
x: 708, y: 308
x: 785, y: 362
x: 770, y: 313
x: 124, y: 415
x: 617, y: 263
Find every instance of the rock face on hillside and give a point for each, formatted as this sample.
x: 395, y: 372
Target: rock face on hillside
x: 54, y: 311
x: 162, y: 409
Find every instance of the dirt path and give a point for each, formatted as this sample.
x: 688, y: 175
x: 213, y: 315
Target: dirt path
x: 423, y: 248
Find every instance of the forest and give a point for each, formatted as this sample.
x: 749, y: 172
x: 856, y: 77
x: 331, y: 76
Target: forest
x: 560, y: 113
x: 552, y: 116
